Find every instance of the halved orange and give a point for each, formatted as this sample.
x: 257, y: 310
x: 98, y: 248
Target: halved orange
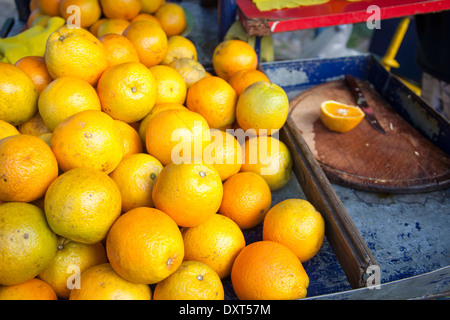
x: 340, y: 117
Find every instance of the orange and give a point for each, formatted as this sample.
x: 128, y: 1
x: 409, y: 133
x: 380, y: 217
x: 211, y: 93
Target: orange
x: 155, y: 110
x: 135, y: 176
x: 172, y: 18
x: 101, y: 282
x: 7, y: 129
x: 114, y: 26
x: 88, y: 139
x: 214, y: 99
x: 49, y: 7
x: 193, y: 280
x: 95, y: 26
x: 149, y: 39
x: 71, y: 259
x: 125, y: 85
x: 246, y: 199
x: 170, y: 85
x: 64, y: 97
x: 225, y: 152
x: 118, y: 49
x: 230, y: 56
x: 33, y: 289
x: 340, y: 117
x: 270, y: 158
x: 296, y: 224
x: 215, y: 242
x: 267, y: 270
x: 146, y: 16
x: 36, y: 69
x: 131, y: 141
x: 145, y: 245
x: 27, y: 244
x: 179, y: 47
x: 35, y: 126
x: 121, y: 9
x: 189, y: 193
x: 82, y: 204
x: 27, y: 167
x: 263, y: 107
x: 18, y: 95
x: 75, y: 53
x: 90, y: 11
x: 243, y: 78
x: 190, y: 69
x: 177, y: 136
x: 150, y: 6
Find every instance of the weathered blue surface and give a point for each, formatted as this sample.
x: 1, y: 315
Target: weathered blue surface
x: 407, y: 234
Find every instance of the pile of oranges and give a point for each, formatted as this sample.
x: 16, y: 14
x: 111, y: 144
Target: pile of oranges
x: 127, y: 171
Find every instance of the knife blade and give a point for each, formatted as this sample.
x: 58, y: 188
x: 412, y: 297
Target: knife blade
x: 362, y: 103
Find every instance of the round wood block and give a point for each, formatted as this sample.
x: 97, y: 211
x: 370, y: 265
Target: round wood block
x: 402, y: 161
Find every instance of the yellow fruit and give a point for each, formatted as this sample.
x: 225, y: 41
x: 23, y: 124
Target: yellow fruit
x: 71, y: 259
x: 75, y: 53
x: 131, y: 141
x: 172, y: 18
x: 7, y: 129
x: 35, y: 126
x: 263, y: 107
x: 145, y: 245
x: 146, y: 16
x: 27, y: 244
x: 33, y: 289
x: 155, y: 110
x: 177, y: 136
x: 231, y: 56
x: 215, y: 242
x: 193, y: 280
x: 149, y: 40
x: 191, y: 70
x: 214, y: 99
x: 82, y: 204
x: 88, y: 139
x: 135, y: 176
x: 179, y: 47
x: 64, y: 97
x: 112, y: 26
x: 118, y: 49
x: 150, y: 6
x: 226, y: 153
x: 296, y: 224
x: 189, y: 193
x: 267, y: 270
x: 124, y: 85
x: 27, y: 167
x: 18, y: 95
x: 270, y: 158
x: 101, y: 282
x: 170, y: 85
x: 340, y: 117
x: 246, y: 199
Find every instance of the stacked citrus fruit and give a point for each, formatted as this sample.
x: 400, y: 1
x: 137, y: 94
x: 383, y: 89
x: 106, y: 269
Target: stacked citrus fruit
x: 129, y: 172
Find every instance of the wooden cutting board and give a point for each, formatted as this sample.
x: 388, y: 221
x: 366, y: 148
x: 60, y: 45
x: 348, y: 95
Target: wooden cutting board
x: 402, y: 161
